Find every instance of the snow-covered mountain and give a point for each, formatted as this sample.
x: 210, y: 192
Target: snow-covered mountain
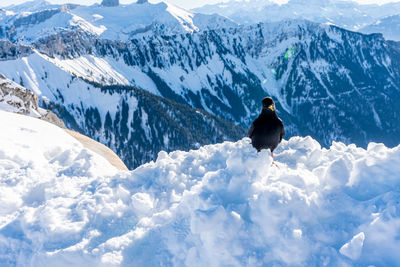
x: 37, y: 19
x: 165, y: 84
x: 332, y: 84
x: 133, y: 123
x: 62, y: 205
x: 388, y: 26
x: 346, y: 14
x: 17, y: 99
x: 31, y: 6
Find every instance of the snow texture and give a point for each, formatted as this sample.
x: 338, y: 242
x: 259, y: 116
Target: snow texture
x: 221, y: 205
x: 354, y: 247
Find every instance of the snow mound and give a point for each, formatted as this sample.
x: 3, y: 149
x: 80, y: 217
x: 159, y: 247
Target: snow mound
x: 221, y: 205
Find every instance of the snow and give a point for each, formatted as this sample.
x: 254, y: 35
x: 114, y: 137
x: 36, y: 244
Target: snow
x: 32, y: 6
x: 346, y: 14
x: 55, y: 23
x: 43, y: 74
x: 124, y: 21
x: 354, y: 247
x: 45, y: 78
x: 145, y: 124
x: 105, y: 71
x: 184, y: 17
x: 220, y: 205
x: 121, y: 22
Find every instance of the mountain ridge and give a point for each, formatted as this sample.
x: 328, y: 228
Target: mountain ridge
x: 330, y: 83
x: 345, y: 14
x: 226, y: 72
x: 116, y: 22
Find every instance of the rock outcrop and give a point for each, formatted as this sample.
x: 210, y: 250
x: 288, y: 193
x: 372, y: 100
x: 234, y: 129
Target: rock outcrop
x: 18, y: 99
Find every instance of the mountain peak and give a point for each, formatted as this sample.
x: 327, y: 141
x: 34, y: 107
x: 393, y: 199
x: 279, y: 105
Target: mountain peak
x: 31, y: 6
x: 110, y: 3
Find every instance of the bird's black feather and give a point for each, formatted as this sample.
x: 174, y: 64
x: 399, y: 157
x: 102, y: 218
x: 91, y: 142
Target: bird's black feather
x: 267, y: 131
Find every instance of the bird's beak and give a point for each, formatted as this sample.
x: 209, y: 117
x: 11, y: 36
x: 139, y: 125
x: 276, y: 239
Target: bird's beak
x: 271, y: 107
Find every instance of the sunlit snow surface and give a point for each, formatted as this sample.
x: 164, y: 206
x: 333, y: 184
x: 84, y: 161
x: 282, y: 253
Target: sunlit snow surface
x: 122, y: 22
x: 221, y: 205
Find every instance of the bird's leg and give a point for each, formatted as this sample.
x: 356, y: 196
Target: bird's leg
x: 273, y: 163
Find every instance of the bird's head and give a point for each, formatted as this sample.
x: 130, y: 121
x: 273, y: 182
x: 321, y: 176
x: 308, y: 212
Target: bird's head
x: 268, y: 104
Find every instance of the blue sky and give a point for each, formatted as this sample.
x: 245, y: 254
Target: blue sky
x: 182, y: 3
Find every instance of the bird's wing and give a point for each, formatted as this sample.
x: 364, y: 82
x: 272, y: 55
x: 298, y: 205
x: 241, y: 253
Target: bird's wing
x: 251, y: 130
x: 283, y: 132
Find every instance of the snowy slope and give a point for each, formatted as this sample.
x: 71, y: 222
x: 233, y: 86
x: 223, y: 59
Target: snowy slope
x: 37, y: 19
x: 133, y: 123
x: 31, y: 6
x: 224, y: 204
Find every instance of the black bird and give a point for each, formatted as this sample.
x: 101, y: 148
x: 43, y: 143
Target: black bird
x: 267, y: 130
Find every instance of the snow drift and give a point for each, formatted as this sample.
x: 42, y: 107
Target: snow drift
x: 221, y: 205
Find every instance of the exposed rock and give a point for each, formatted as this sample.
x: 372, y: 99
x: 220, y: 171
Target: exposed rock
x: 36, y: 18
x: 18, y: 99
x: 10, y: 51
x: 53, y: 118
